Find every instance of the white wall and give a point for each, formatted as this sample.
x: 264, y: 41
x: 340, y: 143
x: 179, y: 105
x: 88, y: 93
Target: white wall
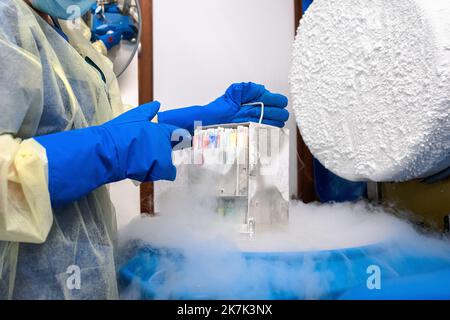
x: 203, y: 46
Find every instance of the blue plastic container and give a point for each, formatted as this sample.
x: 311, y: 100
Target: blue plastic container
x: 332, y: 188
x: 337, y: 274
x: 428, y: 286
x: 306, y: 4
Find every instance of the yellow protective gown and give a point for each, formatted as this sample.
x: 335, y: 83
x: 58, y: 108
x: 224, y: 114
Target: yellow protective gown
x: 48, y: 86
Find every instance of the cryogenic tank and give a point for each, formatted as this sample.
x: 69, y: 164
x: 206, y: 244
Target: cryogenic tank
x: 328, y: 252
x: 332, y: 274
x: 371, y: 87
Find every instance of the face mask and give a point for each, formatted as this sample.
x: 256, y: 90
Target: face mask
x: 63, y: 9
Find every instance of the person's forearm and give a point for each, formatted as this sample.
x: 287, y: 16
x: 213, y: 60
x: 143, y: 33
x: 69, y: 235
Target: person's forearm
x: 242, y: 102
x: 188, y: 118
x: 92, y: 163
x: 129, y: 146
x: 183, y: 118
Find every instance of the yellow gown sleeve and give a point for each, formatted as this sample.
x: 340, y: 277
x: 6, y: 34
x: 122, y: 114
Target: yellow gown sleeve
x: 25, y: 209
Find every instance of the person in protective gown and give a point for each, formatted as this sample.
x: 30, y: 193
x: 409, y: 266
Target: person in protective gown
x: 64, y: 136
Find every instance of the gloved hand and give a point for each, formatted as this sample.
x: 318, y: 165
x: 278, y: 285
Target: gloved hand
x: 111, y: 39
x: 129, y: 146
x: 229, y: 109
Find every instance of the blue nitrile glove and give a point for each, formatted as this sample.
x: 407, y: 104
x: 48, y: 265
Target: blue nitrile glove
x: 129, y: 146
x: 229, y: 109
x: 111, y: 39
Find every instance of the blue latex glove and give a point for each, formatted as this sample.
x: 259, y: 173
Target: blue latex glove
x: 111, y: 39
x: 129, y: 146
x: 229, y: 109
